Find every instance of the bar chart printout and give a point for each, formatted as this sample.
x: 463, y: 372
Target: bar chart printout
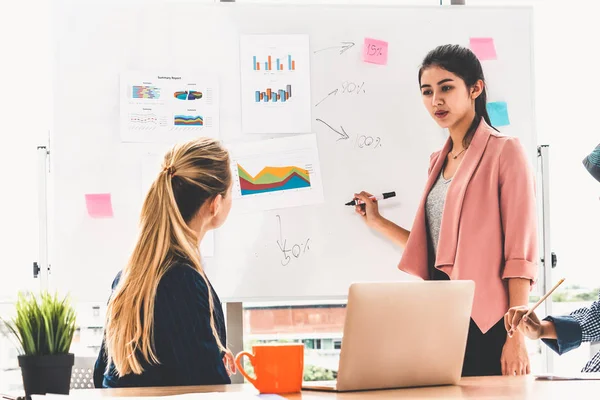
x: 274, y: 63
x: 281, y: 95
x: 275, y: 84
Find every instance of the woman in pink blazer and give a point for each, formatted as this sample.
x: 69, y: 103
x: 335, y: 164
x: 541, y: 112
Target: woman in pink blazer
x: 477, y: 217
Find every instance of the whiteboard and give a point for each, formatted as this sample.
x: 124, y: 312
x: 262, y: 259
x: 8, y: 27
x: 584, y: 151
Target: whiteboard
x: 96, y: 41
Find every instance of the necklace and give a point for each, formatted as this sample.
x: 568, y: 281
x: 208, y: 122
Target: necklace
x: 455, y: 156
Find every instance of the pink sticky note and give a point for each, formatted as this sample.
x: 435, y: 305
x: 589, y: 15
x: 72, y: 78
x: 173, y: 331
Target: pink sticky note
x: 483, y: 48
x: 99, y: 205
x: 375, y: 51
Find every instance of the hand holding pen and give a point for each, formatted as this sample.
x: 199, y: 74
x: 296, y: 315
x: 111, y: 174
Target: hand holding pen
x: 365, y: 205
x: 356, y: 201
x: 524, y: 319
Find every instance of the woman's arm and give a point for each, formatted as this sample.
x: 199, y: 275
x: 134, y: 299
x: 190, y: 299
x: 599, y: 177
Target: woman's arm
x: 519, y: 223
x: 514, y: 359
x: 370, y: 213
x: 393, y: 232
x: 518, y: 213
x: 589, y: 320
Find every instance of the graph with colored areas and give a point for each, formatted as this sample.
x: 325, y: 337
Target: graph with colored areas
x: 188, y: 120
x: 276, y: 173
x: 274, y: 63
x: 273, y: 179
x: 188, y: 95
x: 145, y: 92
x: 274, y: 96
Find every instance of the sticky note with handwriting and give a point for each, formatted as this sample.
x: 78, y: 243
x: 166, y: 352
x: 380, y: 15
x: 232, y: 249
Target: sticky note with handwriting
x: 375, y: 51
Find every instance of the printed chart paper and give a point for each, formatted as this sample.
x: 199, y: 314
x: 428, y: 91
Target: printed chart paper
x: 276, y: 173
x: 275, y: 73
x: 168, y: 108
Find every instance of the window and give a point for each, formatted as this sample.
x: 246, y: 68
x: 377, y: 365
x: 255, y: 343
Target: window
x: 317, y: 326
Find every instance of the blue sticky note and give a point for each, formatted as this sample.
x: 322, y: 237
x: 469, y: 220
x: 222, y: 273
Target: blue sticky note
x: 498, y: 111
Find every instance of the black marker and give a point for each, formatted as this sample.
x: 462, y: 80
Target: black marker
x: 384, y: 196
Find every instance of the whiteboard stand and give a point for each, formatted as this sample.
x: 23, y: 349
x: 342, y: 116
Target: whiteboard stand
x: 235, y: 332
x: 41, y: 267
x: 548, y: 259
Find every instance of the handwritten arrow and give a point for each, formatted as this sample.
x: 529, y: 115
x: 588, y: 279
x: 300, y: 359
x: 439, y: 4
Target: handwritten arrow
x: 334, y: 92
x: 343, y: 134
x: 345, y: 47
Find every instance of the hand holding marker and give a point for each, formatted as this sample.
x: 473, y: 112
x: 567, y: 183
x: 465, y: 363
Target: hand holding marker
x: 387, y: 195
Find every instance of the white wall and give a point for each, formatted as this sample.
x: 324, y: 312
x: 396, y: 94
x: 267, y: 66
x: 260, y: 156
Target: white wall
x: 566, y: 59
x: 24, y: 115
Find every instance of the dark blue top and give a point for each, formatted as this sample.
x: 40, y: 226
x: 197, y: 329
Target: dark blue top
x: 183, y: 339
x: 568, y: 332
x: 582, y: 325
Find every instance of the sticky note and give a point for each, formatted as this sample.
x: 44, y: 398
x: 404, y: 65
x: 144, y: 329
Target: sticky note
x: 498, y: 112
x: 484, y: 48
x: 375, y: 51
x: 99, y: 205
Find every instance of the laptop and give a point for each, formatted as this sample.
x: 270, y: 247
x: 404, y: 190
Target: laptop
x: 402, y: 334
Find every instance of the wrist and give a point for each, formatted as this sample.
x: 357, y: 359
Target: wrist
x: 378, y: 222
x: 517, y: 336
x: 548, y: 330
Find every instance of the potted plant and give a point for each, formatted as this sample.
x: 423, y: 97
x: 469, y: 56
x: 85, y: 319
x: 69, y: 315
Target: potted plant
x: 44, y: 329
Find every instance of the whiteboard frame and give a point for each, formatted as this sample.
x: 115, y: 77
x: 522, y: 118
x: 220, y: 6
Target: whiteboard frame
x: 234, y: 299
x: 235, y: 305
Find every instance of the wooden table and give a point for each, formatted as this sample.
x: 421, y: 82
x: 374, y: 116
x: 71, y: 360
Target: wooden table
x: 484, y: 388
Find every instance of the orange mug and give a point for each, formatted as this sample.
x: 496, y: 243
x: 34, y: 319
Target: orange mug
x: 279, y: 368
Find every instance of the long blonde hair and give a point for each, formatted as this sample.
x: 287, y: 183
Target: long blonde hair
x: 192, y: 174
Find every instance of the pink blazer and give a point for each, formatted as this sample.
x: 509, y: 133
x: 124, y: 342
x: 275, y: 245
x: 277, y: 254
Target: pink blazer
x: 488, y: 232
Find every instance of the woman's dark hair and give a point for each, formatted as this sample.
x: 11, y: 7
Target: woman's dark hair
x: 463, y: 63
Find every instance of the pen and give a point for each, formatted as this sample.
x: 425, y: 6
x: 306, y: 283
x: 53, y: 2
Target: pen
x: 383, y: 196
x: 540, y: 301
x: 7, y: 397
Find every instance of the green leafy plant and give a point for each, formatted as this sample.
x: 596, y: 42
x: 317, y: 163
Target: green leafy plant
x: 44, y: 325
x: 314, y: 373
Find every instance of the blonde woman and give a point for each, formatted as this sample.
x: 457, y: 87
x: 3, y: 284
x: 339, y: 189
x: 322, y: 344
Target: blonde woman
x: 165, y: 324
